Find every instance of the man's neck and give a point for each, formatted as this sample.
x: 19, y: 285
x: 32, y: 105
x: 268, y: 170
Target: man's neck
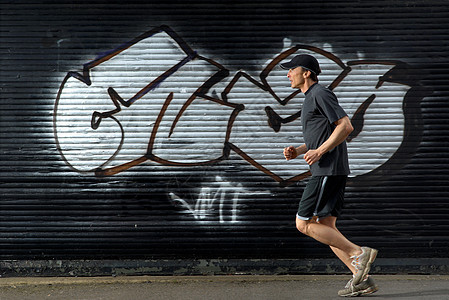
x: 307, y: 84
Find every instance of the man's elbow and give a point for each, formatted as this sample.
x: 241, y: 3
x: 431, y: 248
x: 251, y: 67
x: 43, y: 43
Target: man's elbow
x: 346, y: 125
x: 349, y: 128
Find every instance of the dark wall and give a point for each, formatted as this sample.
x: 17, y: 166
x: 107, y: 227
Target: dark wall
x: 155, y: 130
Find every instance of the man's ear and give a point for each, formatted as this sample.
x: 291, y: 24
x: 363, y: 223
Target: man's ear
x: 306, y: 74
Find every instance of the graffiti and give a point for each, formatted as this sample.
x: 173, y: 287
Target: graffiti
x: 221, y: 199
x: 175, y: 107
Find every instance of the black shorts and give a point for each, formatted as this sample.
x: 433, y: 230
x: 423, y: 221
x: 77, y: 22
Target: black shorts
x: 323, y: 196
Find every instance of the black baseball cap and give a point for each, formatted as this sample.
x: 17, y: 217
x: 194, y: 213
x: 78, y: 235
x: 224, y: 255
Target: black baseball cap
x: 306, y: 61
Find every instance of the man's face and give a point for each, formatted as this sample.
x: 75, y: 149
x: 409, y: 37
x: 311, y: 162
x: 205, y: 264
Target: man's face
x: 296, y: 76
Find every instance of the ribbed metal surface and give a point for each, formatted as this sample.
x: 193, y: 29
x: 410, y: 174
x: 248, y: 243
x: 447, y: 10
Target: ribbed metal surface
x: 155, y: 130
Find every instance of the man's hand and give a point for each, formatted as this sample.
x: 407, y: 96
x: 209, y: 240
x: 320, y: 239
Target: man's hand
x: 290, y: 153
x: 312, y: 156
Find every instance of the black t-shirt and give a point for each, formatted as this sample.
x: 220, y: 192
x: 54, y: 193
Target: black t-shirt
x: 319, y: 112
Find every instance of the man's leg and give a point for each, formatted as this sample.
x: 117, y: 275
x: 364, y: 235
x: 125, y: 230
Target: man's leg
x: 343, y: 256
x: 328, y: 235
x: 367, y: 285
x: 323, y: 195
x: 362, y: 258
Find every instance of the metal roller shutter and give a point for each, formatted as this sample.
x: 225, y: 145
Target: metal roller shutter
x: 155, y: 130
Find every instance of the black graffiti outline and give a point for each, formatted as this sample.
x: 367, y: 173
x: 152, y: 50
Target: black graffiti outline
x: 401, y: 73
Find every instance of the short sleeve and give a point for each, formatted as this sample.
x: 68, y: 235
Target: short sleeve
x: 328, y: 104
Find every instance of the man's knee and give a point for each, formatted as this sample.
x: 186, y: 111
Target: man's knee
x: 302, y: 225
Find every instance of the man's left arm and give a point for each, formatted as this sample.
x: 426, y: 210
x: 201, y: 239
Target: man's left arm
x: 342, y: 130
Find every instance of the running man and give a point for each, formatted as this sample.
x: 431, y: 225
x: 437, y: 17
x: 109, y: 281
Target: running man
x: 325, y: 128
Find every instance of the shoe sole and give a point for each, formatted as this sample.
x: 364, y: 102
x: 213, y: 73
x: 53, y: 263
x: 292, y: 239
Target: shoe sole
x: 368, y: 291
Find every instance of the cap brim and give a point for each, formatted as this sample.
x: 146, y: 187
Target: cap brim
x: 287, y: 65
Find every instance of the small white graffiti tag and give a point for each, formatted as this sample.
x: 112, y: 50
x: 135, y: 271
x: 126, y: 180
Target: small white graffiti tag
x: 221, y: 200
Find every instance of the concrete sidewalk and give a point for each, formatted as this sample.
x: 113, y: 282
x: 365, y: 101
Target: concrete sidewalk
x: 217, y: 287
